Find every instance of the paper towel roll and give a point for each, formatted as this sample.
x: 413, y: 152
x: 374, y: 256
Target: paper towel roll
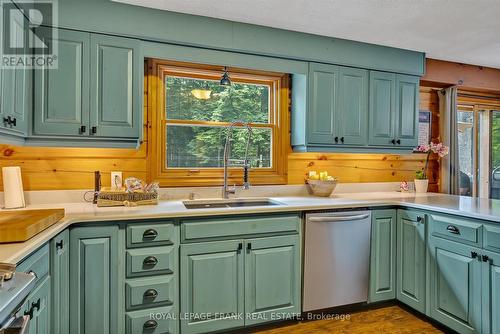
x: 13, y: 188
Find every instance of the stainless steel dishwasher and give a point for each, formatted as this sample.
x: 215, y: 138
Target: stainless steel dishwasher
x: 337, y: 259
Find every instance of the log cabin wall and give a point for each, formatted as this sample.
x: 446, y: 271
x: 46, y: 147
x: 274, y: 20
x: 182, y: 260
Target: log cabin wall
x: 73, y: 168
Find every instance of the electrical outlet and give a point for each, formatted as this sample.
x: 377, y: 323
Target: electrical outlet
x: 116, y: 180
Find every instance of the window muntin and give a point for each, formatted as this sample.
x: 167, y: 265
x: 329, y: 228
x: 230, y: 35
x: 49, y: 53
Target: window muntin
x: 198, y: 146
x: 199, y: 165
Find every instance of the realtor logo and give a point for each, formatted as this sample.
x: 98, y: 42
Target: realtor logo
x: 27, y: 41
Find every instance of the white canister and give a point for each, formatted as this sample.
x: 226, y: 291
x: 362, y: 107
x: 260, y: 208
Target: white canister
x: 13, y: 193
x: 421, y: 185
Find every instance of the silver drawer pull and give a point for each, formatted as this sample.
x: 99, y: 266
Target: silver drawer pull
x: 333, y: 219
x: 150, y: 324
x: 150, y: 234
x: 150, y: 294
x: 150, y: 261
x: 453, y: 229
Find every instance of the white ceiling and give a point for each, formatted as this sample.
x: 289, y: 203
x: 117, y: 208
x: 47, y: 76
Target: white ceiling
x: 466, y: 31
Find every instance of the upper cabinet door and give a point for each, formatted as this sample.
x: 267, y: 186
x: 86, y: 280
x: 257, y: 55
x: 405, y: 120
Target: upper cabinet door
x: 323, y: 85
x: 61, y: 95
x: 407, y: 107
x: 382, y: 109
x: 15, y: 87
x: 116, y: 88
x: 352, y: 110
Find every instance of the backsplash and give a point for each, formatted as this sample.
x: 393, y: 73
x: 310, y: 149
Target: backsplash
x: 41, y: 197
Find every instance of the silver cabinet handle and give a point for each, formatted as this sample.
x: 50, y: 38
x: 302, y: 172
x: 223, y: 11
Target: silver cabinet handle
x: 333, y: 219
x: 453, y: 229
x: 150, y: 324
x: 150, y: 261
x: 150, y: 294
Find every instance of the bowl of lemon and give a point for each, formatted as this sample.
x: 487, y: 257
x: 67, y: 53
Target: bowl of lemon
x: 321, y: 184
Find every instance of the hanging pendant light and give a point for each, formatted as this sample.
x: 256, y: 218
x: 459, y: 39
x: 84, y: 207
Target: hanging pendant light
x: 203, y: 93
x: 225, y: 80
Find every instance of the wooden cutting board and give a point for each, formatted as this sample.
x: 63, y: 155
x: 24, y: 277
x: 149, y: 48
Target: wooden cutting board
x: 20, y: 225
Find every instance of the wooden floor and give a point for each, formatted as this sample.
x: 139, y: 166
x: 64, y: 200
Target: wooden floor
x: 385, y: 320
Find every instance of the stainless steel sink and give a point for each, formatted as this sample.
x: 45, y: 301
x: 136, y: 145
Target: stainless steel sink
x: 229, y: 203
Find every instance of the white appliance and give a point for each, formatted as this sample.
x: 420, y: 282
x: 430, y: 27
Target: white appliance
x: 337, y: 259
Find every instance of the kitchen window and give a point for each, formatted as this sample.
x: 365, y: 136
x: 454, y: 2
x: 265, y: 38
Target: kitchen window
x: 190, y: 112
x: 479, y: 144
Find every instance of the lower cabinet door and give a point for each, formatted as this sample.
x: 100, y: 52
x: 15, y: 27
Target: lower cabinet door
x: 411, y: 259
x: 59, y: 272
x: 38, y: 306
x: 212, y: 286
x: 272, y: 279
x: 383, y: 256
x: 455, y: 285
x: 96, y: 281
x: 491, y: 294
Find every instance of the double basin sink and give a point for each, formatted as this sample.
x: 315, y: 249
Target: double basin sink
x: 230, y: 203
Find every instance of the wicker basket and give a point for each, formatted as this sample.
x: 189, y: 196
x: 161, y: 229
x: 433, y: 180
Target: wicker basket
x: 321, y: 188
x: 109, y: 197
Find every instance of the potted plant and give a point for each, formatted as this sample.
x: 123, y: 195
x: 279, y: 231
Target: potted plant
x: 421, y: 180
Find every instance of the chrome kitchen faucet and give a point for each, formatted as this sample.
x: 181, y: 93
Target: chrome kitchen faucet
x: 227, y: 161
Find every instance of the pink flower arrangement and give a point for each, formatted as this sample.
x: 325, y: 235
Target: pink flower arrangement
x: 438, y: 148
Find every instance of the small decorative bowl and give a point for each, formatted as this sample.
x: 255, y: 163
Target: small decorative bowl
x: 322, y: 188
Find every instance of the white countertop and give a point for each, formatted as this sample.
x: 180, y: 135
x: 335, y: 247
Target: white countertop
x: 86, y: 212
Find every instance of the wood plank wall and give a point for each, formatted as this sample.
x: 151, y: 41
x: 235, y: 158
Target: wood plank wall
x: 72, y: 168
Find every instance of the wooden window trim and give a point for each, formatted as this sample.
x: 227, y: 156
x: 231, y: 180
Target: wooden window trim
x: 178, y: 177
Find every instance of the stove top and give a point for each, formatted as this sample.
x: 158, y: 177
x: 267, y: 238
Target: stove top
x: 14, y: 288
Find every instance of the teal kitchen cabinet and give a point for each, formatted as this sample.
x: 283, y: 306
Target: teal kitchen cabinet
x: 116, y: 87
x: 255, y: 278
x: 407, y: 109
x: 272, y: 278
x: 96, y: 280
x: 323, y: 91
x: 212, y: 286
x: 59, y: 272
x: 393, y: 110
x: 455, y: 285
x: 490, y: 292
x: 383, y: 256
x: 96, y: 91
x: 382, y: 108
x: 339, y: 105
x: 37, y: 306
x: 15, y: 85
x: 38, y: 302
x: 62, y: 95
x: 411, y: 261
x: 352, y: 107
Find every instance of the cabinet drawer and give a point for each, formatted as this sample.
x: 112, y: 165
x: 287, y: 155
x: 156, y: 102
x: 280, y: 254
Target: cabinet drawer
x: 152, y: 321
x: 37, y: 262
x: 153, y: 260
x: 491, y: 238
x: 139, y: 235
x: 455, y: 228
x: 228, y: 227
x: 150, y: 291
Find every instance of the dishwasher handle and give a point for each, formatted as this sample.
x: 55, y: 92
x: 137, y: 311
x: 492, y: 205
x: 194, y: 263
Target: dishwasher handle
x: 333, y: 219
